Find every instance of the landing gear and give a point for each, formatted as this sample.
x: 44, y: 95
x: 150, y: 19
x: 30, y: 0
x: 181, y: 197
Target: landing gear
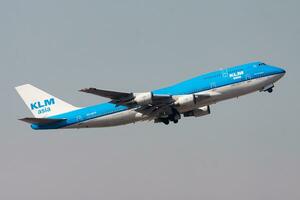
x: 270, y: 90
x: 174, y: 117
x: 166, y: 121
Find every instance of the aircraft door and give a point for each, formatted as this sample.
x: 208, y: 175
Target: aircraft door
x: 225, y: 73
x: 248, y: 77
x: 213, y: 85
x: 78, y: 118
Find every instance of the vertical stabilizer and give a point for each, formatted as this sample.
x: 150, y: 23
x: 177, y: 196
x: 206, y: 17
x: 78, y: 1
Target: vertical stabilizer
x: 42, y: 104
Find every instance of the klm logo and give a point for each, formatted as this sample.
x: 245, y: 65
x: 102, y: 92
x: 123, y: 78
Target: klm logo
x: 42, y: 104
x: 236, y: 75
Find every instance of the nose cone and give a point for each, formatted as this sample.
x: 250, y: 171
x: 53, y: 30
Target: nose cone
x: 277, y: 70
x: 280, y: 70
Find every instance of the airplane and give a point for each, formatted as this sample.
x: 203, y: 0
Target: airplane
x: 190, y: 98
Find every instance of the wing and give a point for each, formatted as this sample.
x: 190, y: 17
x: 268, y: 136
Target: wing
x: 128, y: 99
x: 108, y: 94
x: 156, y: 105
x: 41, y: 121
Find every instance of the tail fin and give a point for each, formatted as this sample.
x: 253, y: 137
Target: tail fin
x: 42, y: 104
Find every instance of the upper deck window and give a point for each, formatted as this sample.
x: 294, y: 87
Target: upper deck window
x: 260, y: 64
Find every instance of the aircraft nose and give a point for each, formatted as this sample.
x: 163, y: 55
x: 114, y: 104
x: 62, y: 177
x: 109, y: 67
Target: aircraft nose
x: 278, y: 70
x: 282, y: 71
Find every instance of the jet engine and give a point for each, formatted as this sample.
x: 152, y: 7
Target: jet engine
x: 186, y: 100
x: 143, y: 98
x: 205, y: 110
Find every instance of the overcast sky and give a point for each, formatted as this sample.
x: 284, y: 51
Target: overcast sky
x: 248, y: 148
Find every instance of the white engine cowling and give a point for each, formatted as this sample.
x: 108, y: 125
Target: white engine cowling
x: 205, y: 110
x: 186, y: 100
x: 143, y: 98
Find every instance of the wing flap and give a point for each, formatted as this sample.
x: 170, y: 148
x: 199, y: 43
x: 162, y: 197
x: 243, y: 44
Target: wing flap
x: 41, y: 121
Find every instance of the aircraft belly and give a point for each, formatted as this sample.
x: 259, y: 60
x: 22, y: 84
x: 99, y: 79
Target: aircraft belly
x: 116, y: 119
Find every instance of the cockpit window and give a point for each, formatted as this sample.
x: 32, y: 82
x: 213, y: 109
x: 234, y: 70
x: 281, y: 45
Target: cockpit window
x: 260, y: 64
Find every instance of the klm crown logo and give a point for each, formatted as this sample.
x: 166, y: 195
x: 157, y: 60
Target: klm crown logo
x: 42, y: 104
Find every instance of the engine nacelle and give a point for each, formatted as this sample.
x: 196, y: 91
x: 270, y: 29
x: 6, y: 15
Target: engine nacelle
x: 186, y: 100
x: 143, y: 98
x: 205, y: 110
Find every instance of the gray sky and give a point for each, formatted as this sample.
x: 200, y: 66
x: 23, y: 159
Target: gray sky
x: 246, y: 149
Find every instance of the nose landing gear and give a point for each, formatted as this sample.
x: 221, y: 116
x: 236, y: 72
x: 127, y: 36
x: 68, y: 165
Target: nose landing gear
x: 270, y: 90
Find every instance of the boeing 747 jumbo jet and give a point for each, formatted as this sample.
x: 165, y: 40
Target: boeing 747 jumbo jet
x: 189, y: 98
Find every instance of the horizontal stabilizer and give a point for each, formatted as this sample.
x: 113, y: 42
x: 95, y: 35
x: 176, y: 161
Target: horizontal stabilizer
x: 41, y: 121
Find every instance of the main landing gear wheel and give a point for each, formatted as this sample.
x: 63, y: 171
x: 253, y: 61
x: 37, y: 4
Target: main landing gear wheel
x: 270, y: 90
x: 166, y: 121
